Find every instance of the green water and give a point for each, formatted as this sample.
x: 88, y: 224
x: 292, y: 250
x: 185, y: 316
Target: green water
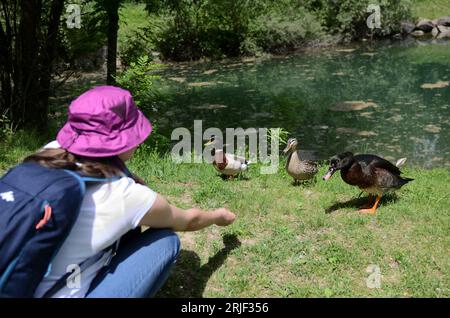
x: 304, y: 93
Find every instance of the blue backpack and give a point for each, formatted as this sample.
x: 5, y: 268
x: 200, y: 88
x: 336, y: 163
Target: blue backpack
x: 38, y: 207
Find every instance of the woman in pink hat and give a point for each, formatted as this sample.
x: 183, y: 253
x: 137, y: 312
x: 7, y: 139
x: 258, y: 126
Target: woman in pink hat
x: 103, y: 130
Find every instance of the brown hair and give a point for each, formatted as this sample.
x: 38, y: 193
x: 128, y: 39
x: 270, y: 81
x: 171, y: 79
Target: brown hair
x: 92, y: 167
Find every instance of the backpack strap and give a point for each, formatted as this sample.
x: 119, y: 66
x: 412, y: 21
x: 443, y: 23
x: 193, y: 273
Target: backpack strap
x: 62, y: 281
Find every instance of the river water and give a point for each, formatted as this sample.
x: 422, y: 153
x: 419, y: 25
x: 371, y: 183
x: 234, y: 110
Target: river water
x: 388, y: 99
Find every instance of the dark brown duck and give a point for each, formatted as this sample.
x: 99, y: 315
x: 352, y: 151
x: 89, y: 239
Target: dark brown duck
x: 370, y: 173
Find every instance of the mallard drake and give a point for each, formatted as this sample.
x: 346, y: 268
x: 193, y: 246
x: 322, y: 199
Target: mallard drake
x: 370, y: 173
x: 228, y: 165
x: 297, y: 168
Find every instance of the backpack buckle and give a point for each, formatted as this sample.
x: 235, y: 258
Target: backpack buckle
x: 113, y: 249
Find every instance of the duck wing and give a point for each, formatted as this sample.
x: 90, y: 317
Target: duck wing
x: 369, y: 162
x: 232, y: 157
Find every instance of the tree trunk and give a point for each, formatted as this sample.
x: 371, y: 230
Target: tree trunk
x: 26, y: 81
x: 6, y: 58
x: 28, y: 50
x: 48, y: 56
x: 112, y: 10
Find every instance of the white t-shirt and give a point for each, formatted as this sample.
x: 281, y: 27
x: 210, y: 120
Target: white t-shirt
x: 108, y: 211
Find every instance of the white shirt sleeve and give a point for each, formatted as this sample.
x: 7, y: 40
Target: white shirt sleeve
x: 138, y: 199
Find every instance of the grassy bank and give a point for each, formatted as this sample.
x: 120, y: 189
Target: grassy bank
x: 306, y: 241
x: 431, y: 9
x: 298, y: 241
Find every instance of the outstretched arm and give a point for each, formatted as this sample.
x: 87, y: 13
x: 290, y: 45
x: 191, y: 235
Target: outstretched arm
x: 164, y: 215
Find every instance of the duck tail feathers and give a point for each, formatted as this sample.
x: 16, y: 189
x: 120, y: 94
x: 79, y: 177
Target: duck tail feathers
x: 405, y: 180
x: 400, y: 162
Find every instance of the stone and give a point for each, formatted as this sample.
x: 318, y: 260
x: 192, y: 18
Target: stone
x: 425, y: 25
x: 432, y: 128
x: 211, y: 106
x: 407, y: 27
x: 208, y: 72
x: 345, y: 50
x: 178, y: 79
x: 445, y: 21
x: 418, y: 33
x: 445, y: 35
x: 435, y: 32
x: 444, y: 32
x: 352, y: 106
x: 438, y: 84
x: 202, y: 84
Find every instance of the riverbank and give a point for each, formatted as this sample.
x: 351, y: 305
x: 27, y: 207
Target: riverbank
x: 282, y: 34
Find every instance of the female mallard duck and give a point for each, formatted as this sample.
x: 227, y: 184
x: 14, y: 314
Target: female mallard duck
x: 228, y: 165
x: 370, y: 173
x: 297, y: 168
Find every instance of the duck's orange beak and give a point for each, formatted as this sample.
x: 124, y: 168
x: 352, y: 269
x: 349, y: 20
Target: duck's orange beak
x: 329, y: 174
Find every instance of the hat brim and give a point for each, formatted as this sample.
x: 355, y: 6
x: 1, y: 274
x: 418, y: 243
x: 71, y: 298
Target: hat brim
x: 94, y: 144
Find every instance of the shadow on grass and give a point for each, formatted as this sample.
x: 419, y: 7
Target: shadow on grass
x: 359, y: 202
x: 239, y: 177
x: 305, y: 183
x: 189, y: 278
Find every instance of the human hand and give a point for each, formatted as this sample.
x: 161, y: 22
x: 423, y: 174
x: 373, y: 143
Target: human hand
x: 224, y: 217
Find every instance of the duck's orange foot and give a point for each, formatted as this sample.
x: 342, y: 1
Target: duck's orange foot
x: 367, y: 211
x: 373, y: 209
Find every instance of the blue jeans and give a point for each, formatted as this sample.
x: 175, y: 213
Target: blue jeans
x: 140, y: 268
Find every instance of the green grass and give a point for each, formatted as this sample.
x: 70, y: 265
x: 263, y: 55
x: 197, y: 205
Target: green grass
x: 431, y: 9
x: 297, y: 241
x: 305, y: 241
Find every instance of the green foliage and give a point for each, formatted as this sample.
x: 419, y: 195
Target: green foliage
x: 143, y: 39
x: 280, y: 31
x: 213, y: 28
x: 348, y: 17
x: 139, y: 79
x: 135, y: 46
x: 138, y: 32
x: 204, y: 28
x: 6, y: 127
x: 79, y: 47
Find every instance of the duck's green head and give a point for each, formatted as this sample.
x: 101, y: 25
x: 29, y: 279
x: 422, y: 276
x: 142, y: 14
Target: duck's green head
x: 338, y: 162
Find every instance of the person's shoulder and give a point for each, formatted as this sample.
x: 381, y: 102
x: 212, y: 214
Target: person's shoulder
x: 52, y: 145
x: 128, y: 184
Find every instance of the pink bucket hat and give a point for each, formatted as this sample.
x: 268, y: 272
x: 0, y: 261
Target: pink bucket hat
x: 103, y: 122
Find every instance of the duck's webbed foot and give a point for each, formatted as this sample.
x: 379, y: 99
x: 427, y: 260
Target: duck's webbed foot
x: 373, y: 209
